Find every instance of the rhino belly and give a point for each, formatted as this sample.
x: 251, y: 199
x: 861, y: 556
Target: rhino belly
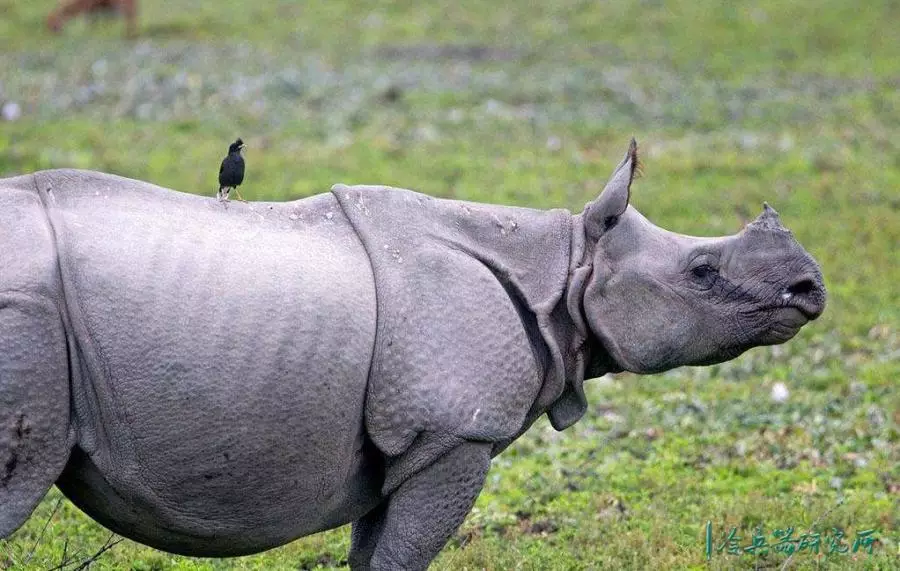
x: 221, y: 519
x: 226, y: 360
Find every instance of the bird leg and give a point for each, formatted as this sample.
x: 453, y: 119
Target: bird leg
x: 222, y: 195
x: 238, y: 192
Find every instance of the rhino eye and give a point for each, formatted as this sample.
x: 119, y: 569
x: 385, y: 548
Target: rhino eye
x: 705, y: 274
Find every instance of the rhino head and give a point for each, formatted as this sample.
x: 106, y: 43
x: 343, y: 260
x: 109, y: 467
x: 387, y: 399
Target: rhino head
x: 656, y: 300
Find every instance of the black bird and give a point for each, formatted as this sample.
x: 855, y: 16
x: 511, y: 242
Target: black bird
x: 231, y: 173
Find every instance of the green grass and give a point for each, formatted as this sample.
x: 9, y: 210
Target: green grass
x: 533, y: 104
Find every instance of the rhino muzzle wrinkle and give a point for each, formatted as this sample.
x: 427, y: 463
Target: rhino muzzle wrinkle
x: 391, y: 344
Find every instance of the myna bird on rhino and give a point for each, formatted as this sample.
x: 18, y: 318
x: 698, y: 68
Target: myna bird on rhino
x: 231, y: 173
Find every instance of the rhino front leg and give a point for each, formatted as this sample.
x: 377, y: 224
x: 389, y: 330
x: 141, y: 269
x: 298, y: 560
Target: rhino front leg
x: 422, y: 514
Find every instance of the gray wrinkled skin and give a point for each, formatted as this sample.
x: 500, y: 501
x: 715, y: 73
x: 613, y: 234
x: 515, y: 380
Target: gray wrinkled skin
x: 218, y: 380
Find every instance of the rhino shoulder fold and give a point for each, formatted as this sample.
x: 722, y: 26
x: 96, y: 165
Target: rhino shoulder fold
x: 464, y: 294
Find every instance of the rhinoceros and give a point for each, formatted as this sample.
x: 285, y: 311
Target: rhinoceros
x: 219, y: 379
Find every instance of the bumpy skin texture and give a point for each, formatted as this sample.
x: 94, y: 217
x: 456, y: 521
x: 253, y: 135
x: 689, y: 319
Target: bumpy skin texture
x: 240, y: 375
x: 462, y: 290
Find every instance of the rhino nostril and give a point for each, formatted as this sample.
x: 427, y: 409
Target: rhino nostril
x: 802, y: 287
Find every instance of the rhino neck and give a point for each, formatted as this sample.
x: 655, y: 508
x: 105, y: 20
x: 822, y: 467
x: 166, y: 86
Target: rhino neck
x: 598, y: 360
x: 585, y: 357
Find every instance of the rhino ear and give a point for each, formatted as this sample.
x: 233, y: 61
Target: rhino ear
x: 602, y: 213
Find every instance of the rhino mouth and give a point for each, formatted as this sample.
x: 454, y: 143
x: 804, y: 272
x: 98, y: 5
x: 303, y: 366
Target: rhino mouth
x: 787, y: 322
x: 807, y: 295
x: 792, y: 316
x: 809, y: 308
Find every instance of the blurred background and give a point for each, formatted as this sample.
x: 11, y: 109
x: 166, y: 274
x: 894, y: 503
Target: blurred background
x: 532, y: 104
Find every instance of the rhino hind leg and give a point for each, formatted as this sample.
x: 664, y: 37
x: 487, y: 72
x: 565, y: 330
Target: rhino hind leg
x: 409, y: 530
x: 364, y: 537
x: 35, y: 439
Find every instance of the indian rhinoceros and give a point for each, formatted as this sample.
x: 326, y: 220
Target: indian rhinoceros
x: 219, y: 379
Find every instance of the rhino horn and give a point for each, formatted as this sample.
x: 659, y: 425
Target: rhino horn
x: 602, y: 213
x: 768, y: 220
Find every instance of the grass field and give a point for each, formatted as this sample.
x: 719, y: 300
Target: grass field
x: 792, y: 102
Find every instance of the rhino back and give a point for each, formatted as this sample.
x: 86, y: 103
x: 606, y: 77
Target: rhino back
x: 227, y: 350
